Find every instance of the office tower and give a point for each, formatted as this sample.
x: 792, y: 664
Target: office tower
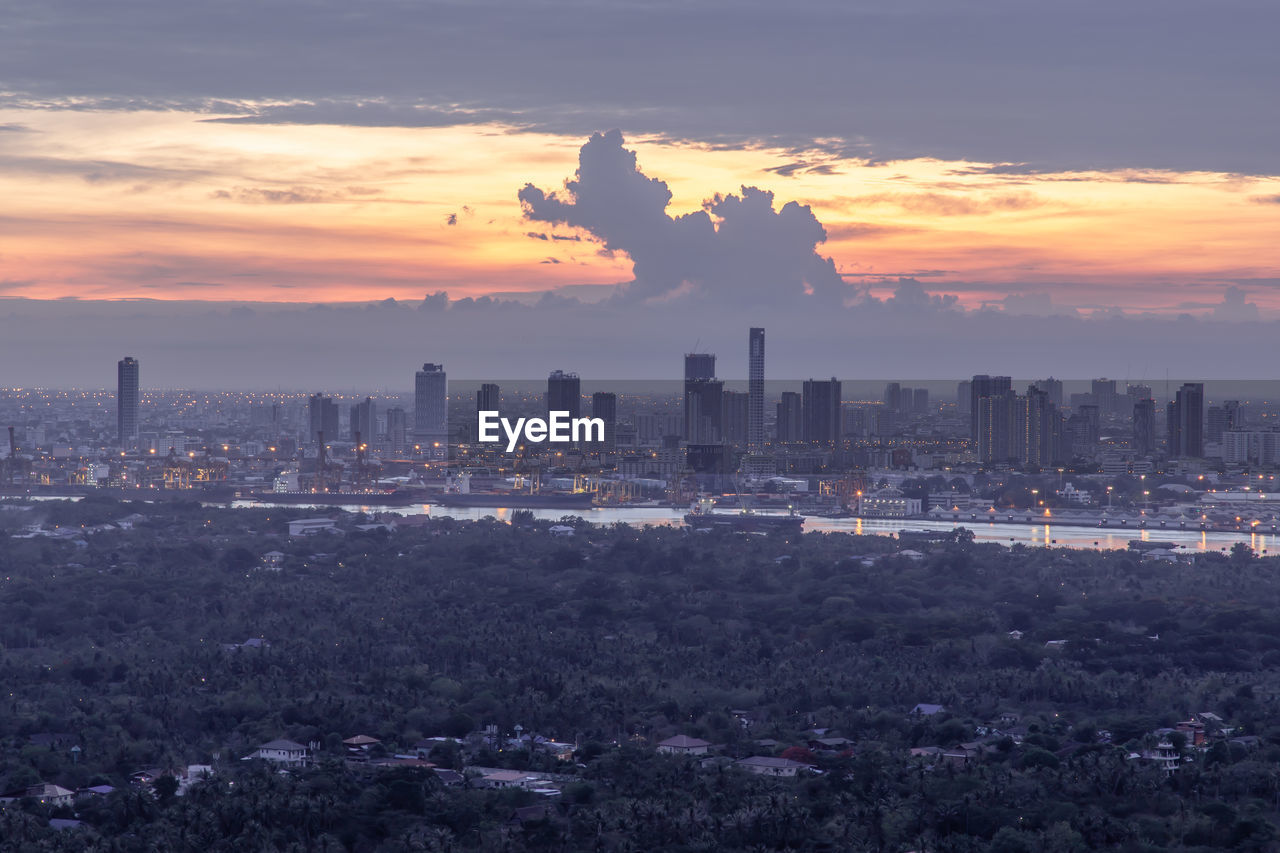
x: 821, y: 411
x: 1186, y: 422
x: 564, y: 393
x: 1221, y: 418
x: 1052, y: 387
x: 920, y: 401
x: 995, y: 425
x: 127, y: 402
x: 1104, y: 395
x: 489, y: 398
x: 322, y: 416
x: 755, y: 390
x: 364, y: 420
x: 735, y: 417
x: 604, y: 406
x: 699, y: 366
x: 984, y: 386
x: 431, y: 411
x: 790, y: 419
x: 1144, y: 425
x: 893, y: 397
x: 964, y: 397
x: 703, y: 407
x: 397, y: 441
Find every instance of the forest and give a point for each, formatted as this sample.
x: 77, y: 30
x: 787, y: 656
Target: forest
x: 941, y: 697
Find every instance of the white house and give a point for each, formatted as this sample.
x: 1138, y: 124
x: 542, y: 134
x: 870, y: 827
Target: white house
x: 684, y: 745
x: 283, y: 752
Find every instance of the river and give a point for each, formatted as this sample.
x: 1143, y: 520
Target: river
x: 1003, y: 533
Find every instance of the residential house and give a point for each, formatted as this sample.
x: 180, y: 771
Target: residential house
x: 684, y: 745
x: 312, y: 527
x: 286, y: 753
x: 764, y: 765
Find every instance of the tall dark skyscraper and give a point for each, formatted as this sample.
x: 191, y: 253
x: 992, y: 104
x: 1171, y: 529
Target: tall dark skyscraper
x: 431, y: 411
x: 703, y: 406
x: 755, y: 390
x: 1052, y: 387
x: 364, y: 420
x: 984, y: 386
x: 1144, y: 426
x: 790, y: 417
x: 893, y: 397
x: 127, y: 399
x: 489, y: 398
x: 604, y: 406
x: 920, y: 401
x: 1186, y: 422
x: 564, y: 393
x: 1039, y: 426
x: 322, y: 416
x: 821, y: 408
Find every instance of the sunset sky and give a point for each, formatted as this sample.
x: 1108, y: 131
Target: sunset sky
x: 1077, y: 162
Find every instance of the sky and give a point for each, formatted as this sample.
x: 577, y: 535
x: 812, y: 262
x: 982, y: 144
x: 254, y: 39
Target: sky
x: 911, y: 189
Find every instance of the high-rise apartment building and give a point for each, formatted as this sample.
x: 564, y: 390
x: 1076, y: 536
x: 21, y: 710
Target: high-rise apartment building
x: 127, y: 402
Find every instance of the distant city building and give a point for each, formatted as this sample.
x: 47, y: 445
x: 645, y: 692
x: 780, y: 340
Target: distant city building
x: 1221, y: 418
x: 920, y: 401
x: 755, y: 390
x: 397, y: 436
x: 736, y: 406
x: 489, y: 398
x: 322, y: 416
x: 893, y: 397
x: 1251, y: 447
x: 364, y: 421
x: 790, y: 420
x: 703, y: 404
x: 127, y: 402
x: 964, y: 398
x: 431, y: 411
x: 821, y: 411
x: 988, y: 387
x: 1144, y: 425
x: 1053, y: 388
x: 1186, y: 422
x: 564, y: 393
x: 604, y: 405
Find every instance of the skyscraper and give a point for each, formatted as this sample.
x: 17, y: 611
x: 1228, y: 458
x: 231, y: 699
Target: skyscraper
x: 127, y: 402
x: 489, y: 398
x: 1186, y: 422
x: 564, y: 393
x: 322, y: 416
x: 364, y: 420
x: 703, y: 407
x: 1144, y: 425
x: 755, y: 390
x: 1221, y: 418
x: 821, y: 408
x: 604, y: 406
x: 790, y: 417
x: 431, y: 411
x: 995, y: 423
x: 736, y: 407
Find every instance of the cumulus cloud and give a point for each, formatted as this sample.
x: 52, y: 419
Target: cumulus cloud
x: 738, y: 246
x: 1234, y: 308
